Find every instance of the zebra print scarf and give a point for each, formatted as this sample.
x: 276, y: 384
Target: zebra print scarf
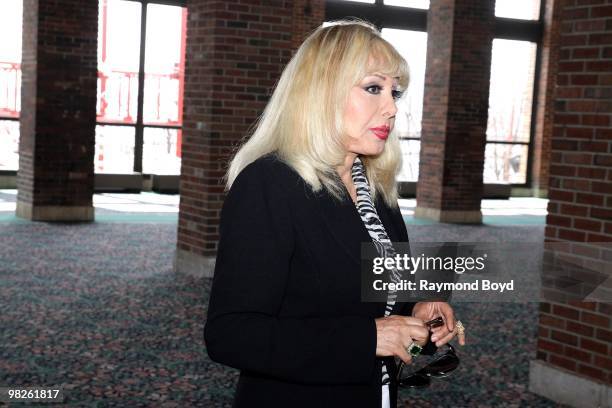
x: 375, y: 227
x: 377, y: 232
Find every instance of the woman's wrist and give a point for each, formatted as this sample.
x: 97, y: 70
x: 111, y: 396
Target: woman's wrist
x: 416, y: 307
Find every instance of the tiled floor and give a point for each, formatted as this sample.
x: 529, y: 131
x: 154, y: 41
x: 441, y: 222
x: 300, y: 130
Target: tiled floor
x: 152, y: 207
x: 145, y: 202
x: 514, y: 211
x: 98, y: 309
x: 512, y: 206
x: 113, y: 207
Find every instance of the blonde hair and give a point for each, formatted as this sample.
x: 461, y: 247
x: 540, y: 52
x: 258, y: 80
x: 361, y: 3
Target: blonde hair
x: 303, y: 121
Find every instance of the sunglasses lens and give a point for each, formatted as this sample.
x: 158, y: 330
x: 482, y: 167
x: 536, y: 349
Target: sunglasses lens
x: 415, y: 381
x: 442, y: 366
x: 439, y: 365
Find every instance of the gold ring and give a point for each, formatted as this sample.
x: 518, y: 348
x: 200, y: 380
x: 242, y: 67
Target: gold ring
x: 460, y: 327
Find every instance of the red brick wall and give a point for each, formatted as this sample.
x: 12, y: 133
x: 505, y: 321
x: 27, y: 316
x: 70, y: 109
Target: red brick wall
x: 235, y: 54
x: 27, y: 122
x: 455, y: 105
x: 58, y: 103
x: 544, y: 105
x: 307, y: 15
x: 578, y: 336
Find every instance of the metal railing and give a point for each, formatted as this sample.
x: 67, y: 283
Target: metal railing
x: 10, y: 89
x: 118, y: 99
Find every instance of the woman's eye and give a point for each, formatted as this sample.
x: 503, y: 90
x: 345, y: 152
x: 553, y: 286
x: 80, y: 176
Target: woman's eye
x: 373, y: 89
x: 376, y: 89
x: 396, y: 94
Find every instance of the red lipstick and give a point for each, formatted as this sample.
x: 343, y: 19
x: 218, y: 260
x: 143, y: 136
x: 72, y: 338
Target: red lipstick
x: 381, y: 132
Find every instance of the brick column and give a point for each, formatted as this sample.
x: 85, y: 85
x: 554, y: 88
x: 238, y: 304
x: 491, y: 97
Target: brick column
x: 235, y: 54
x: 58, y: 110
x: 544, y: 105
x: 307, y: 16
x: 455, y: 107
x: 573, y: 363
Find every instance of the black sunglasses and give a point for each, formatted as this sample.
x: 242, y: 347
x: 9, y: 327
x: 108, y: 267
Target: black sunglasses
x: 438, y: 365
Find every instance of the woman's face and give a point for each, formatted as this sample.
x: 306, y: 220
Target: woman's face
x: 369, y: 115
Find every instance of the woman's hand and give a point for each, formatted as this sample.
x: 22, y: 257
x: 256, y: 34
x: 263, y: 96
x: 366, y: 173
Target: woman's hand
x: 430, y: 310
x: 394, y: 333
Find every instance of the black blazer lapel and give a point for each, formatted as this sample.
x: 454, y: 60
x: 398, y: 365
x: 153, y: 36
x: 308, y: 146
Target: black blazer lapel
x: 344, y: 223
x: 346, y: 226
x: 392, y: 223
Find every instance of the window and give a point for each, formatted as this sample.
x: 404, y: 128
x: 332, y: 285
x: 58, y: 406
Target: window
x: 405, y: 29
x: 164, y: 65
x: 523, y: 9
x: 412, y: 45
x: 161, y: 151
x: 10, y: 83
x: 114, y: 149
x: 144, y: 130
x: 517, y: 35
x: 510, y: 106
x: 420, y: 4
x: 118, y: 61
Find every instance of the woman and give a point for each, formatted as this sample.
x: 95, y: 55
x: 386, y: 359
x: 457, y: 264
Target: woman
x: 314, y: 181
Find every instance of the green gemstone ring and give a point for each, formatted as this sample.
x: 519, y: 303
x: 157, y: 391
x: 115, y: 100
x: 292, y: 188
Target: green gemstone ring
x: 414, y: 349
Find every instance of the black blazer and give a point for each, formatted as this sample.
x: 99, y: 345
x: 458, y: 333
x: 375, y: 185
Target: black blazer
x: 285, y: 305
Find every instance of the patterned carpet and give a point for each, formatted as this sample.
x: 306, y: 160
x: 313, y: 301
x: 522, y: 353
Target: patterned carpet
x: 96, y: 309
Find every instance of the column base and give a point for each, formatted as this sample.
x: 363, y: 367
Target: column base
x: 188, y: 263
x: 565, y: 387
x: 8, y: 182
x: 540, y: 192
x: 54, y: 212
x: 449, y: 216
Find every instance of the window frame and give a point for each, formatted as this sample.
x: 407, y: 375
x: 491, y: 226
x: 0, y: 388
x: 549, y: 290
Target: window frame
x: 139, y: 125
x: 407, y: 18
x: 15, y: 118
